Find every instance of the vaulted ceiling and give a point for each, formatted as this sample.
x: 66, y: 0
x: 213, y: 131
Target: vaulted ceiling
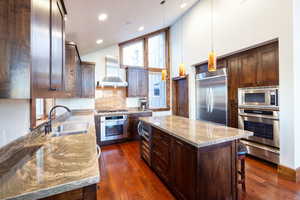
x: 124, y: 19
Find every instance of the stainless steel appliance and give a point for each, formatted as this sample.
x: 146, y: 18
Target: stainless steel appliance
x: 144, y: 131
x: 259, y: 113
x: 211, y: 96
x: 143, y: 104
x: 111, y: 125
x: 259, y: 97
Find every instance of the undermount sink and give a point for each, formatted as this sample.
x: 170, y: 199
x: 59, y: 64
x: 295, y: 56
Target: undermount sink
x: 70, y: 129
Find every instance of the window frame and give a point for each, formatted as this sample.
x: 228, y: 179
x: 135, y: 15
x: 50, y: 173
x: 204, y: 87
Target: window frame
x: 144, y: 39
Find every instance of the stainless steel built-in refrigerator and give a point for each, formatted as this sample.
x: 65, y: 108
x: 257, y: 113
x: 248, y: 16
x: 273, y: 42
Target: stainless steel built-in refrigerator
x: 211, y: 96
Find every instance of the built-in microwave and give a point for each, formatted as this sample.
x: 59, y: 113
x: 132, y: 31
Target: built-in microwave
x: 258, y: 96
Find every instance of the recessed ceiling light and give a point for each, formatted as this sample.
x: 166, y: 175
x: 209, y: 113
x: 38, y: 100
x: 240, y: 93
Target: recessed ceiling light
x: 102, y: 17
x: 141, y: 28
x: 183, y: 5
x: 99, y: 41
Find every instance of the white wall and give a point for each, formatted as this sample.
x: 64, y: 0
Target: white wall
x: 14, y: 120
x: 240, y: 24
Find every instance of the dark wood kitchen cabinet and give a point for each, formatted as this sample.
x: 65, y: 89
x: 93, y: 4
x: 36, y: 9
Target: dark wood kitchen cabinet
x: 194, y: 173
x: 180, y: 93
x: 31, y: 48
x: 268, y: 66
x: 248, y: 68
x: 184, y: 169
x: 72, y: 70
x: 88, y: 79
x: 137, y: 79
x: 85, y: 193
x: 233, y: 64
x: 57, y: 45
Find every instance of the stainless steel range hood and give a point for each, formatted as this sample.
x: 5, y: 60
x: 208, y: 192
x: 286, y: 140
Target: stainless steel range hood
x: 113, y: 81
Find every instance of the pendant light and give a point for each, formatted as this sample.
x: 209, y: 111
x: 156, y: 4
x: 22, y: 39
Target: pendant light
x: 212, y: 57
x: 182, y: 70
x: 164, y: 71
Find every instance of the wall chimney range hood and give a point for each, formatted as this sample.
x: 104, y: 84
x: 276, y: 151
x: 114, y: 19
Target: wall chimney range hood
x: 113, y: 81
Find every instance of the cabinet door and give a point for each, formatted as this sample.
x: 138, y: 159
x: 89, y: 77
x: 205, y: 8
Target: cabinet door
x: 184, y: 170
x: 137, y: 79
x: 268, y: 67
x: 57, y: 46
x: 181, y: 97
x: 72, y: 76
x: 233, y: 85
x: 88, y: 80
x: 249, y: 62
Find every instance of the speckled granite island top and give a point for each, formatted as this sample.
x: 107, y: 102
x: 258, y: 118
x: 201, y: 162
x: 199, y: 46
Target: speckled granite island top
x: 37, y: 166
x: 194, y: 132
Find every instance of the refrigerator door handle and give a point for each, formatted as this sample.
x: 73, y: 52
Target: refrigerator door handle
x: 212, y: 100
x: 207, y: 100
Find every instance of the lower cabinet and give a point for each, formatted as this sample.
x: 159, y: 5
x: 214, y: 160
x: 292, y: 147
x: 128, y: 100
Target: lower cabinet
x: 205, y: 173
x: 86, y: 193
x: 184, y: 170
x: 175, y: 162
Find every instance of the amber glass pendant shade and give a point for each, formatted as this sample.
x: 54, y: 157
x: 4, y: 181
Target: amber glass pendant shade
x: 212, y: 61
x: 182, y: 70
x: 164, y: 75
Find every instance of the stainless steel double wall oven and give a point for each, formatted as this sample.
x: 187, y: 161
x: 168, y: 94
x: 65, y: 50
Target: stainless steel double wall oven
x: 259, y: 113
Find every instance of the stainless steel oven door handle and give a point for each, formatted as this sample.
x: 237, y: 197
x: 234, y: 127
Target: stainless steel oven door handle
x: 259, y: 116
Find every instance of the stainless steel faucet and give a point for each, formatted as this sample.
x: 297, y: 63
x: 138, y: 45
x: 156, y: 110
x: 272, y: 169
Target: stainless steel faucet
x: 48, y: 126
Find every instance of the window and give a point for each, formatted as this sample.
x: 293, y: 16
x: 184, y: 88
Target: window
x: 151, y: 52
x: 157, y: 91
x: 133, y: 54
x: 156, y: 51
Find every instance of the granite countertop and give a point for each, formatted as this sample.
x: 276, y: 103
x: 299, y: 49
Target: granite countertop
x: 195, y: 132
x: 36, y: 166
x: 127, y: 111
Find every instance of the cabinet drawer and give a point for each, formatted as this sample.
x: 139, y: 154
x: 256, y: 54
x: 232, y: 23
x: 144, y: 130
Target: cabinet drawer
x: 162, y: 152
x: 159, y: 137
x: 160, y: 168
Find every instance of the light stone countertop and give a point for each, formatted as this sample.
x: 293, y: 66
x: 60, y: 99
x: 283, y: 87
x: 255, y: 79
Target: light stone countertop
x: 38, y: 166
x: 127, y: 111
x: 195, y: 132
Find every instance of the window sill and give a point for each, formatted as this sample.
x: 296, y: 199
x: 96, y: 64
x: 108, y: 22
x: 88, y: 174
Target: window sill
x: 159, y: 109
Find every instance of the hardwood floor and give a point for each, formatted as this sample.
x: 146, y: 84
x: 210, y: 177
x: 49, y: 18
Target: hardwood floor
x: 124, y: 176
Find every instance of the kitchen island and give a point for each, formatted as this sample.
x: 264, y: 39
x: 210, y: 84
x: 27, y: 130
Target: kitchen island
x: 195, y: 159
x: 39, y: 166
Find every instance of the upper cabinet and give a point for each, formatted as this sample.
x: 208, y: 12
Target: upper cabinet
x: 268, y: 65
x: 72, y: 70
x: 32, y: 55
x: 57, y: 45
x: 88, y: 80
x: 248, y: 68
x: 259, y: 67
x: 15, y: 20
x: 137, y: 78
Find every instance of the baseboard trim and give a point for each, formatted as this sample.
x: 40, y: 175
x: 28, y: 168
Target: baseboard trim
x: 288, y: 173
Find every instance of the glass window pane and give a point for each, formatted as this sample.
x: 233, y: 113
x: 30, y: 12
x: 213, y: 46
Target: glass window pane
x: 133, y: 54
x: 157, y: 91
x: 156, y: 51
x: 39, y: 108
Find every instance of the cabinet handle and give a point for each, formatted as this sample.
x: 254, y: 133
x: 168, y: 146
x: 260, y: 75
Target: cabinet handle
x: 178, y: 142
x: 52, y: 89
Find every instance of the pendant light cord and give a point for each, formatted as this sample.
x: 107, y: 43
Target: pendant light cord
x: 211, y: 25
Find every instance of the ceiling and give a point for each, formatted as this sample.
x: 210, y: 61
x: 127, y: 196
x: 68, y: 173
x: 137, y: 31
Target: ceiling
x: 124, y: 19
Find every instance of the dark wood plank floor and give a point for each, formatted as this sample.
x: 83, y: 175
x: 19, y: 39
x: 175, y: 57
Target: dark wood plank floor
x: 124, y: 176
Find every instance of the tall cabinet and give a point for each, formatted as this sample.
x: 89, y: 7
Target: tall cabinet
x: 32, y: 48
